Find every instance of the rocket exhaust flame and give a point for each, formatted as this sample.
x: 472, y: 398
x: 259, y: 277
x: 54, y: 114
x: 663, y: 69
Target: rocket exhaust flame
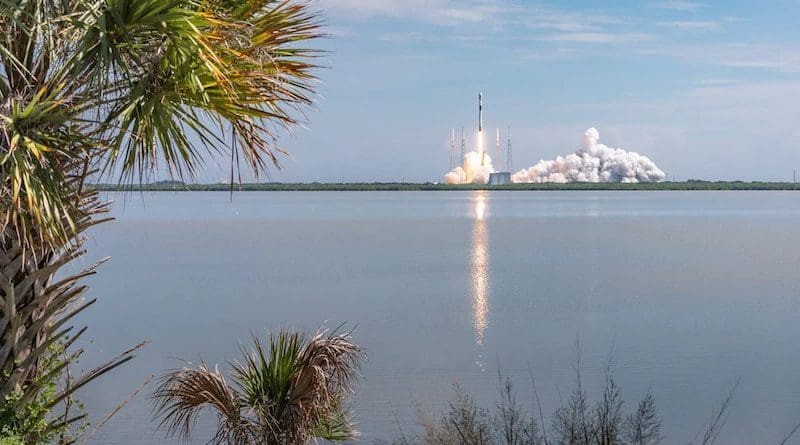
x: 481, y: 150
x: 497, y: 148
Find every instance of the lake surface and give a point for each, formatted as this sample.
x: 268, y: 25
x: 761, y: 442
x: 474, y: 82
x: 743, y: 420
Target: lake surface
x: 689, y: 292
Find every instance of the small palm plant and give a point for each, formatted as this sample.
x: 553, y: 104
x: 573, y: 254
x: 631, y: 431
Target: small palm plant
x: 288, y: 394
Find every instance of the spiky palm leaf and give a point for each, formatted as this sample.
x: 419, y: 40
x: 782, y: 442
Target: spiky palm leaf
x: 36, y: 311
x: 287, y: 394
x: 138, y: 85
x: 123, y: 88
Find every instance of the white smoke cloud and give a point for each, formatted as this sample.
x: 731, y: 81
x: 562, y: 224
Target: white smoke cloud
x: 594, y: 162
x: 475, y: 170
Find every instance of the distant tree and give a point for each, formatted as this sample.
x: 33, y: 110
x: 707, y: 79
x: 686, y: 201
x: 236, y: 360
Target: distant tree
x: 464, y: 423
x: 572, y: 424
x: 643, y: 427
x: 512, y: 425
x: 608, y: 414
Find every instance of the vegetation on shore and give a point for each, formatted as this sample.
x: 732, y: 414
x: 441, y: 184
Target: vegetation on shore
x: 577, y: 422
x: 430, y: 186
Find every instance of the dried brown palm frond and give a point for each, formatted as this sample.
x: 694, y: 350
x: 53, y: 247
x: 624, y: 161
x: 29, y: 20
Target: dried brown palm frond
x: 289, y: 393
x: 184, y: 393
x: 328, y: 368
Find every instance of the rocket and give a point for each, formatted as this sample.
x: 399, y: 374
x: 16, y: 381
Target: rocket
x: 480, y: 129
x: 480, y: 112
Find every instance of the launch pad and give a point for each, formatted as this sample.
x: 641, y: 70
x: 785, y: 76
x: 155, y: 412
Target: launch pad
x: 500, y: 178
x: 476, y: 166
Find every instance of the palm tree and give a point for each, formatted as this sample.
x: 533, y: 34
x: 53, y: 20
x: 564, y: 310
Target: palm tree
x: 288, y: 394
x: 122, y: 89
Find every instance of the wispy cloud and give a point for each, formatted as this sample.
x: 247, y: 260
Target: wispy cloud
x: 497, y: 13
x: 341, y: 31
x: 505, y: 19
x: 679, y: 5
x: 718, y: 81
x: 693, y: 25
x: 564, y: 21
x: 548, y: 54
x: 567, y: 30
x: 779, y: 58
x: 756, y: 101
x: 598, y: 37
x: 403, y: 37
x: 439, y: 12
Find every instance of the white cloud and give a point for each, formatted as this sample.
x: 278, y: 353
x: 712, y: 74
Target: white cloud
x: 370, y: 8
x: 404, y: 37
x: 773, y: 97
x: 784, y: 59
x: 439, y: 12
x: 548, y: 54
x: 541, y: 18
x: 341, y: 31
x: 502, y: 21
x: 679, y: 5
x: 717, y: 81
x: 597, y: 37
x: 495, y: 13
x: 693, y: 25
x: 494, y: 16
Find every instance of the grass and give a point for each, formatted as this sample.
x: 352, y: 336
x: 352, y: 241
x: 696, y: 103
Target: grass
x: 577, y: 421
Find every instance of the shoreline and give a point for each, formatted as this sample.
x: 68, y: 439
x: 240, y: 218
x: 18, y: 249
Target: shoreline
x: 409, y: 187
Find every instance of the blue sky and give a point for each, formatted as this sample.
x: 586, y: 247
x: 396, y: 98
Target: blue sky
x: 706, y: 89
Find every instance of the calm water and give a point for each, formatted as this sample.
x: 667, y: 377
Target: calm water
x: 689, y: 292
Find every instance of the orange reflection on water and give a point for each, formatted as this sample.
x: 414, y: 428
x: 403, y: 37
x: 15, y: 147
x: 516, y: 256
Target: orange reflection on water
x: 480, y: 268
x: 480, y: 207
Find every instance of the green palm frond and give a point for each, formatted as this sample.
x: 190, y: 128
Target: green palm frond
x: 125, y: 89
x: 212, y: 73
x: 40, y: 143
x: 137, y: 86
x: 338, y: 426
x: 266, y: 377
x: 288, y: 393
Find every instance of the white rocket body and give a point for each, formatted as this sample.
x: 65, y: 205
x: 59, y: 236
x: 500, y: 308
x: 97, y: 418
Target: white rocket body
x: 480, y: 112
x: 480, y: 129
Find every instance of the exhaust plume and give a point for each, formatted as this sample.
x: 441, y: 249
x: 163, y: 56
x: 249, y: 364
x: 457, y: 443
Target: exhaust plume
x: 472, y: 172
x: 475, y: 167
x: 593, y: 162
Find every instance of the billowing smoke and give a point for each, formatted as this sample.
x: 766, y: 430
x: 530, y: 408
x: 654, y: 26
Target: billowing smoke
x: 594, y: 162
x: 474, y: 171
